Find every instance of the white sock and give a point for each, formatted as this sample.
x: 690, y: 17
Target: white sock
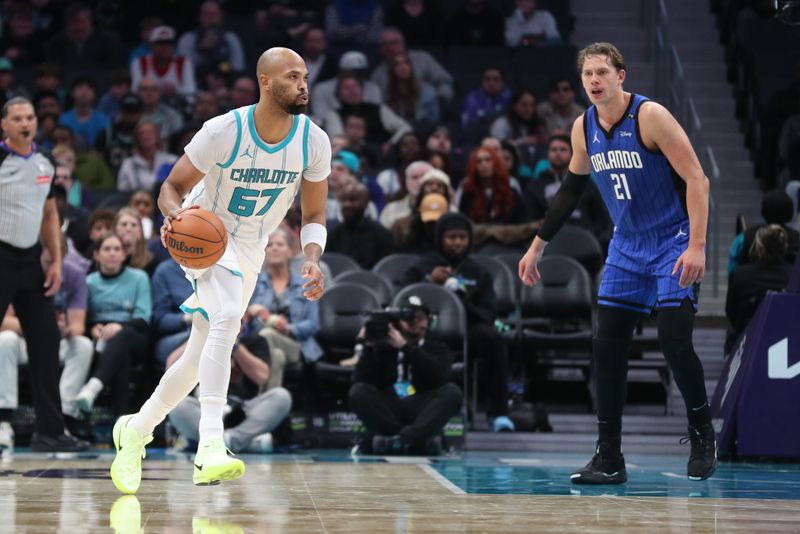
x: 211, y: 413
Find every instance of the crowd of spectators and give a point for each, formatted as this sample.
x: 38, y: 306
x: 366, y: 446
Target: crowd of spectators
x: 421, y: 165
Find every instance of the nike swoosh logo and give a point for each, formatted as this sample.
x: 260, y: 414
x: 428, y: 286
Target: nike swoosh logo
x: 199, y: 467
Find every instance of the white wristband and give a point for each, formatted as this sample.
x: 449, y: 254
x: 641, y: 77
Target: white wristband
x: 313, y: 233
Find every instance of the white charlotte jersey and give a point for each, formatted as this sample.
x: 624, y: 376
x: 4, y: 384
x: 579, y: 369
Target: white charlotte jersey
x: 249, y: 184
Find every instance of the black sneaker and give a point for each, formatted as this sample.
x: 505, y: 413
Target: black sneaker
x: 62, y: 443
x: 79, y: 427
x: 703, y: 458
x: 606, y: 467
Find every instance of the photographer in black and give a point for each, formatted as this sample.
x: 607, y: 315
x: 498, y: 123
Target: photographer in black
x: 401, y: 390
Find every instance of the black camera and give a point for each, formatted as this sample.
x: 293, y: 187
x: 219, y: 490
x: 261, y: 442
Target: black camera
x: 376, y: 328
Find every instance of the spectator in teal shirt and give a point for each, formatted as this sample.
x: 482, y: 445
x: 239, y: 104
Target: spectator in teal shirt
x: 118, y: 315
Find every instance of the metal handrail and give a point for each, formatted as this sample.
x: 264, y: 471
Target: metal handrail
x: 714, y: 178
x: 670, y: 89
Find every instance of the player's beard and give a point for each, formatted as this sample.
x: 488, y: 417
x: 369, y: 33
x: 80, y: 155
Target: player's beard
x: 290, y: 106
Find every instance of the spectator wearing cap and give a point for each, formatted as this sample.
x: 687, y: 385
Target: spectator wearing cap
x: 8, y: 89
x: 345, y: 170
x: 426, y: 68
x: 403, y: 204
x: 109, y: 103
x: 314, y: 51
x: 85, y: 121
x: 384, y: 127
x: 116, y: 143
x: 323, y: 96
x: 210, y: 46
x: 415, y: 233
x: 401, y: 389
x: 173, y: 73
x: 359, y: 237
x: 21, y: 43
x: 146, y: 26
x: 353, y: 22
x: 79, y: 45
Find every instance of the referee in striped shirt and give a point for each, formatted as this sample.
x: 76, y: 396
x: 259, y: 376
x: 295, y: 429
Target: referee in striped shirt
x: 27, y: 213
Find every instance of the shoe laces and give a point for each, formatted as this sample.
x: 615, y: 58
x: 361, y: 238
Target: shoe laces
x: 699, y: 444
x: 136, y: 446
x: 217, y: 446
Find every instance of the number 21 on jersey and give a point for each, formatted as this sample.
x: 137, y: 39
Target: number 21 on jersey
x: 621, y: 186
x: 243, y: 201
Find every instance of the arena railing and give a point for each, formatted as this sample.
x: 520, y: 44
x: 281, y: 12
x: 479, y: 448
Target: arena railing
x: 670, y: 89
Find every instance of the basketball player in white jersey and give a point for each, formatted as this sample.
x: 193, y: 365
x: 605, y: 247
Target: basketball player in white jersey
x: 246, y: 167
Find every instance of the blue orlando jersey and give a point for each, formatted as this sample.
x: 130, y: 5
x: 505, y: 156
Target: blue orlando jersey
x: 640, y: 189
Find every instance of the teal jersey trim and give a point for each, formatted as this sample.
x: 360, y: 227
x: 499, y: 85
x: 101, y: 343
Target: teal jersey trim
x: 191, y: 311
x: 305, y: 144
x: 259, y: 142
x: 234, y: 272
x: 238, y: 141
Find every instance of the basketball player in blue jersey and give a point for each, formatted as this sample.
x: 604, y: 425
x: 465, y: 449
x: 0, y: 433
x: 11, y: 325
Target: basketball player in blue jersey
x: 246, y: 166
x: 657, y: 195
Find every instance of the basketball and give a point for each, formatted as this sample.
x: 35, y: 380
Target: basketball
x: 198, y: 239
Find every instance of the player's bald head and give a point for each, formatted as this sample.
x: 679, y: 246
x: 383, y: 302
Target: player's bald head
x: 276, y: 60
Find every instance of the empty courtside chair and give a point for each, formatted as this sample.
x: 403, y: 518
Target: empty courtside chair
x: 511, y: 260
x: 577, y: 243
x: 394, y: 266
x: 503, y: 283
x: 339, y: 263
x: 563, y: 297
x: 342, y: 311
x: 378, y: 284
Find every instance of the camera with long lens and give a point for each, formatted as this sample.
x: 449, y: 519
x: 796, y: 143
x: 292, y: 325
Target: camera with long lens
x: 376, y: 327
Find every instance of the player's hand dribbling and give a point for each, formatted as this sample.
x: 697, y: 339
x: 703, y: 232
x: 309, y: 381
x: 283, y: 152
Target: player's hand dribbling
x: 174, y: 215
x: 692, y: 266
x: 315, y: 287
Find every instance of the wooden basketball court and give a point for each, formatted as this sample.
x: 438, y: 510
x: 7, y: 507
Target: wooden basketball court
x: 333, y: 492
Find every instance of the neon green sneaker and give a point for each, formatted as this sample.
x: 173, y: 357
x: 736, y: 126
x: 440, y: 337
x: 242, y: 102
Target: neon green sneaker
x: 215, y: 463
x: 126, y: 471
x: 125, y: 516
x: 203, y: 525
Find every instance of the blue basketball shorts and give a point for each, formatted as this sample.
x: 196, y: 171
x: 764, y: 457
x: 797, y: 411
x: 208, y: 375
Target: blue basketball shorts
x: 638, y: 271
